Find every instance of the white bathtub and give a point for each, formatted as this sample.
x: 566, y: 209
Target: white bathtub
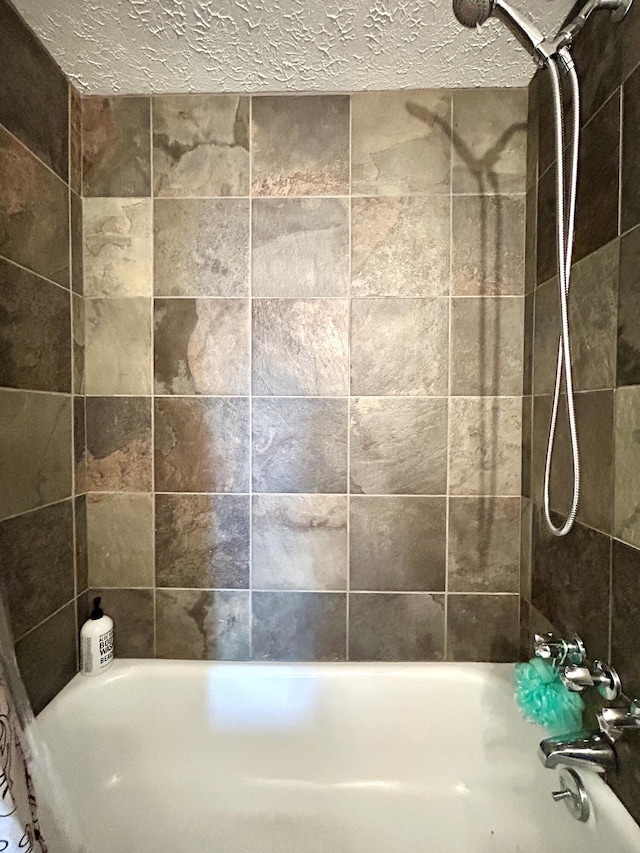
x: 161, y: 756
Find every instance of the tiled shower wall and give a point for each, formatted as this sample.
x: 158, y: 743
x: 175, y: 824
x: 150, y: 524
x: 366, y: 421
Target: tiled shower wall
x: 42, y: 560
x: 304, y: 331
x: 590, y: 581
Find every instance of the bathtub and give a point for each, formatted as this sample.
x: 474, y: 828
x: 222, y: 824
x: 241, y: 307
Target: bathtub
x: 192, y: 757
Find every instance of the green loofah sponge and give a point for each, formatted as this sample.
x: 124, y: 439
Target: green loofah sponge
x: 543, y: 698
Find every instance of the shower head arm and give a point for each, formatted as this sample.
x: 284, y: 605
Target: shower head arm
x: 568, y: 33
x: 520, y: 26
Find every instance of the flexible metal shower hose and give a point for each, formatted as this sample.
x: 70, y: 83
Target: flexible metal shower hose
x: 565, y: 230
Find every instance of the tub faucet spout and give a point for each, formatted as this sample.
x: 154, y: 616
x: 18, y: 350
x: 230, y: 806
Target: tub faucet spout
x: 583, y: 750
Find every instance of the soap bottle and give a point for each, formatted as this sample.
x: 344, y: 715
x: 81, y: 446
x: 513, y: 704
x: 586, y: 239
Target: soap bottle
x: 96, y: 642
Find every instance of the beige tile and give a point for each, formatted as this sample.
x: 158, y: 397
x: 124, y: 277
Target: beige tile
x: 384, y: 436
x: 195, y: 624
x: 117, y: 240
x: 299, y: 542
x: 399, y: 346
x: 400, y: 246
x: 118, y: 346
x: 300, y: 247
x: 300, y: 347
x: 489, y: 141
x: 488, y: 245
x: 299, y: 626
x: 484, y: 544
x: 200, y: 145
x: 120, y: 540
x: 401, y: 143
x: 485, y: 437
x: 487, y: 337
x: 300, y: 145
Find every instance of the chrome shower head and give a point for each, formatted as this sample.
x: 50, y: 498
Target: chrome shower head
x: 473, y: 13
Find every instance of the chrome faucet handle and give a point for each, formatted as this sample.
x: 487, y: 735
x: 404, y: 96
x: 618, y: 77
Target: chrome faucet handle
x: 559, y: 651
x: 614, y: 722
x: 602, y: 676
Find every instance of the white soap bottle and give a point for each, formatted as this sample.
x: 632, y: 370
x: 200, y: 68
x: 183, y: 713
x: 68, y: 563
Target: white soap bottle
x: 96, y: 642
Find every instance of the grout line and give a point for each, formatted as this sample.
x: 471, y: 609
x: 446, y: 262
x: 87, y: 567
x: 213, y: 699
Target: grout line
x: 46, y: 619
x: 305, y: 495
x: 250, y: 322
x: 369, y: 298
x: 34, y: 155
x: 38, y: 274
x: 317, y: 591
x: 349, y: 400
x: 68, y: 497
x: 152, y: 383
x: 620, y: 155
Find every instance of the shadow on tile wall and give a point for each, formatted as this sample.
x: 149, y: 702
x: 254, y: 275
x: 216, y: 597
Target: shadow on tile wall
x: 42, y: 505
x: 304, y: 324
x: 590, y: 581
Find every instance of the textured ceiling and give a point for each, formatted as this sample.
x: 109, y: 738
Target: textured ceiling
x: 141, y: 46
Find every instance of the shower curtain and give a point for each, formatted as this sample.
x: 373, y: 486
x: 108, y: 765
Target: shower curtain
x: 19, y: 829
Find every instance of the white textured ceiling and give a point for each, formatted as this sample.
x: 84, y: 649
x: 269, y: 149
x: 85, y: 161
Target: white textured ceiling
x: 141, y: 46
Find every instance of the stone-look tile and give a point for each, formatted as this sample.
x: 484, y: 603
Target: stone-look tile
x: 201, y: 247
x: 75, y: 140
x: 396, y: 627
x: 300, y: 145
x: 530, y: 239
x: 116, y: 146
x: 593, y: 302
x: 82, y: 548
x: 401, y: 143
x: 598, y: 179
x: 628, y: 355
x: 202, y: 541
x: 546, y: 251
x: 527, y: 349
x: 201, y: 346
x: 33, y: 93
x: 626, y: 514
x: 527, y: 421
x: 120, y: 540
x: 300, y: 247
x: 299, y: 542
x: 525, y: 646
x: 36, y: 564
x: 300, y: 445
x: 201, y: 145
x: 384, y: 436
x: 570, y: 581
x: 485, y: 437
x: 201, y: 445
x: 47, y: 657
x: 202, y: 625
x: 34, y: 213
x: 631, y: 40
x: 546, y: 128
x: 119, y: 444
x: 482, y: 628
x: 398, y: 543
x: 489, y: 141
x: 35, y: 333
x: 488, y: 245
x: 79, y: 446
x: 630, y: 154
x: 35, y: 456
x: 118, y: 346
x: 484, y: 545
x: 132, y: 613
x: 625, y: 596
x: 626, y: 781
x: 299, y: 626
x: 597, y: 54
x: 300, y: 347
x: 77, y: 246
x: 526, y: 522
x: 400, y: 246
x: 487, y: 336
x: 399, y: 347
x: 594, y: 417
x: 117, y: 247
x: 77, y: 330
